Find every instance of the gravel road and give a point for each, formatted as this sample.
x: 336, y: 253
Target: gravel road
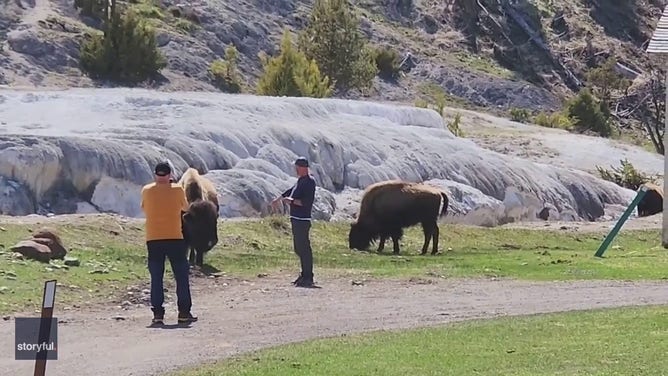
x: 238, y: 316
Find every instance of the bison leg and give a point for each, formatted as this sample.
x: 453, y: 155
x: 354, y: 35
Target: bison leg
x: 435, y: 234
x: 199, y: 258
x: 381, y: 243
x: 396, y: 236
x: 191, y: 256
x: 428, y: 229
x: 395, y: 242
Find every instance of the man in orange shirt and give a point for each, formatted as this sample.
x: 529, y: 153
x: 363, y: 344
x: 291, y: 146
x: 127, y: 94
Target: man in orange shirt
x: 163, y: 203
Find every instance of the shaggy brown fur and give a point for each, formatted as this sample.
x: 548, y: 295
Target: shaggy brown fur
x: 390, y: 206
x: 200, y: 222
x: 652, y: 203
x: 198, y: 187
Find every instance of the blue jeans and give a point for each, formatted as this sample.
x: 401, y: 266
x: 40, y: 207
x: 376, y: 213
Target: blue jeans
x: 175, y: 250
x: 301, y: 238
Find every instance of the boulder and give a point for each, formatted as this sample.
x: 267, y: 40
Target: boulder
x: 44, y: 49
x: 49, y: 238
x: 44, y: 245
x: 520, y: 205
x: 72, y: 261
x: 429, y: 24
x: 33, y: 250
x: 549, y: 212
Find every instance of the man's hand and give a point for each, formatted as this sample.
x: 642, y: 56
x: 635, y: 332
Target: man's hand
x: 275, y: 201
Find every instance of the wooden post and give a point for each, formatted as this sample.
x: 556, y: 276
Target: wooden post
x: 658, y: 45
x: 620, y: 222
x: 48, y: 300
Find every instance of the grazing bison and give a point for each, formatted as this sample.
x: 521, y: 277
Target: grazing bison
x: 390, y: 206
x: 652, y: 203
x: 200, y: 221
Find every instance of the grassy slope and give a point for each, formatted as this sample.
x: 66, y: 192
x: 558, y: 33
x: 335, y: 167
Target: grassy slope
x: 629, y: 341
x: 112, y: 257
x: 109, y: 262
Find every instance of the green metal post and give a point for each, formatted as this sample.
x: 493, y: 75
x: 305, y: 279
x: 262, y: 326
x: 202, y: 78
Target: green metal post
x: 620, y: 222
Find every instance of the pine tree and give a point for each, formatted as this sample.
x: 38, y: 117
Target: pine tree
x: 127, y: 52
x: 292, y: 74
x: 333, y: 39
x: 586, y: 113
x: 224, y: 72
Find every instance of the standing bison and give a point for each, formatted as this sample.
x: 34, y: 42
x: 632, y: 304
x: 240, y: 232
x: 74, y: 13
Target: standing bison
x: 390, y: 206
x: 200, y: 221
x: 652, y: 202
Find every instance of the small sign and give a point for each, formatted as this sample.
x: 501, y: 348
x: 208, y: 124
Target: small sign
x: 28, y: 345
x: 49, y: 294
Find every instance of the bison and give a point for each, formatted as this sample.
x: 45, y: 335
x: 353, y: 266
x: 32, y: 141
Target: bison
x: 390, y: 206
x: 200, y: 221
x: 652, y: 202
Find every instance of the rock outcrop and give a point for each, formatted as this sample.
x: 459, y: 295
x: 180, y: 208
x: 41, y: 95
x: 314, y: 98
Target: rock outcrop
x: 93, y: 149
x: 43, y: 40
x: 33, y: 250
x: 44, y: 246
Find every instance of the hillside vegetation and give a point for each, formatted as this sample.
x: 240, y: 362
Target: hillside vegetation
x: 524, y: 57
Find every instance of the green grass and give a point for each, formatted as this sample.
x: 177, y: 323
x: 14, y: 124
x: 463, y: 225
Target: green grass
x: 113, y: 258
x: 263, y: 246
x: 184, y: 25
x: 430, y: 92
x: 160, y: 17
x: 629, y: 341
x: 148, y: 9
x: 110, y: 261
x: 545, y: 7
x: 481, y: 64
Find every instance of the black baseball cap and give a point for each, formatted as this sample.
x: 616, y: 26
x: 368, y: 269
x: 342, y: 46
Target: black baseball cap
x: 163, y: 169
x: 301, y: 162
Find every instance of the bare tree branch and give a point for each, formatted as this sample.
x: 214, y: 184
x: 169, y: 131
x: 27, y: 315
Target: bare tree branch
x: 654, y: 107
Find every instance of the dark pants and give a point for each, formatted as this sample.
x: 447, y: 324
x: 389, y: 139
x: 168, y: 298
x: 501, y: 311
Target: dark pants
x: 175, y: 250
x: 302, y: 244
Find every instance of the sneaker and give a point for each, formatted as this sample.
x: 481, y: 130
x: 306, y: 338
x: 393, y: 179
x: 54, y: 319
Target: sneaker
x: 304, y: 283
x: 298, y: 280
x: 186, y: 318
x: 158, y: 320
x: 158, y: 316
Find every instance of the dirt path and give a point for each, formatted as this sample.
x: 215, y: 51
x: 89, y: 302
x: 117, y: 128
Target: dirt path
x: 241, y: 316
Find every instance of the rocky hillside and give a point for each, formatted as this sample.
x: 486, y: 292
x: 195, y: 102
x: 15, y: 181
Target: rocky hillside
x: 507, y: 53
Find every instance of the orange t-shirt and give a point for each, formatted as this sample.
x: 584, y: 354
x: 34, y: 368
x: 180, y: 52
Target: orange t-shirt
x: 162, y: 205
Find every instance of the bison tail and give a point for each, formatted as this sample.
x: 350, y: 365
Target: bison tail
x: 444, y: 204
